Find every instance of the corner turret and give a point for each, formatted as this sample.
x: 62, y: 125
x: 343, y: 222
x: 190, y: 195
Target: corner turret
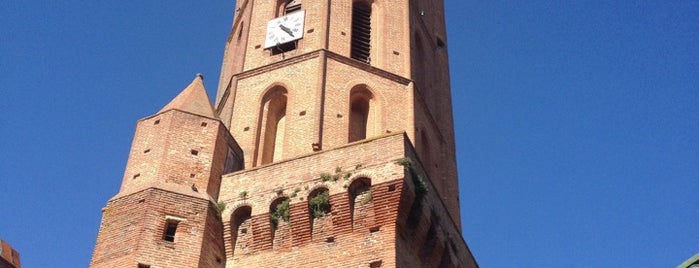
x: 167, y: 204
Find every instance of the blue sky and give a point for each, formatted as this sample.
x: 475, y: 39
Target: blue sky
x: 577, y: 123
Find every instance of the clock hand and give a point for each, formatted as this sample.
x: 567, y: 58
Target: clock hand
x: 287, y: 30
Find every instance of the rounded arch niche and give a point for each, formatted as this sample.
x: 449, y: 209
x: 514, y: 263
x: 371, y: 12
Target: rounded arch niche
x: 241, y: 230
x: 363, y: 114
x: 272, y: 126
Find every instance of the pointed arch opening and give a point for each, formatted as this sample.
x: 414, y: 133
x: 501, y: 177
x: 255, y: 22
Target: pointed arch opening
x: 272, y: 126
x: 362, y: 114
x: 241, y: 230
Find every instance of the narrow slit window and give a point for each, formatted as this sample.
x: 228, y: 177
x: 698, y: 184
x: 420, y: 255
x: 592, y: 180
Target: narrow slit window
x: 170, y: 230
x: 361, y: 32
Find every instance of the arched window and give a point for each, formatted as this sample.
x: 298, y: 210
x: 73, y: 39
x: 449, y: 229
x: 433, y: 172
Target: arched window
x: 279, y: 213
x: 319, y: 212
x: 362, y: 114
x: 272, y: 126
x: 361, y: 203
x: 241, y: 230
x: 287, y: 6
x: 361, y: 31
x: 319, y: 203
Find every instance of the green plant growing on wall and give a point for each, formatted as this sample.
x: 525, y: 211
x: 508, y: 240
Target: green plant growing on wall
x: 243, y: 194
x: 296, y: 191
x: 405, y: 162
x: 319, y: 205
x: 280, y: 213
x: 421, y: 187
x: 338, y: 174
x: 326, y: 177
x: 279, y: 191
x: 221, y: 206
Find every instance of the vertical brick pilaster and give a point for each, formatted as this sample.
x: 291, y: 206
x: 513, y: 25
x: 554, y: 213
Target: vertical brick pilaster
x: 341, y: 213
x: 386, y: 195
x: 261, y: 233
x: 300, y: 224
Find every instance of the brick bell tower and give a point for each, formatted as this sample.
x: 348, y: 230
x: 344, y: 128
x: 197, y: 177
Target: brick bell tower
x: 344, y: 157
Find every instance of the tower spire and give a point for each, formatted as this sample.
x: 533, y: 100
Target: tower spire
x: 193, y: 99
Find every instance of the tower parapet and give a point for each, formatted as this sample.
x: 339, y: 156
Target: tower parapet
x: 380, y: 209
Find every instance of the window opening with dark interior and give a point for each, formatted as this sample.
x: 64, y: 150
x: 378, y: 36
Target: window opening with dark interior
x: 170, y: 230
x: 281, y: 48
x: 361, y: 32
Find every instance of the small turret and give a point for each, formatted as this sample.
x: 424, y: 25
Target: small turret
x: 167, y: 201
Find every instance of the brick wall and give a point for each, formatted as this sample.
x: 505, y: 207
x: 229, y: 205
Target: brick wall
x: 178, y: 148
x: 133, y: 226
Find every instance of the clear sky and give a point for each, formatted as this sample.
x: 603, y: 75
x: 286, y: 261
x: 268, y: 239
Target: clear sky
x: 577, y: 123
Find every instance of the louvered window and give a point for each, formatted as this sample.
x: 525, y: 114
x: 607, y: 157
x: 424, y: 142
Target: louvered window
x: 287, y: 6
x: 361, y: 32
x: 292, y: 6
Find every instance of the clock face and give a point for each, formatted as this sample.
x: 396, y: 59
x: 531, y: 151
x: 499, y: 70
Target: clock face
x: 285, y: 29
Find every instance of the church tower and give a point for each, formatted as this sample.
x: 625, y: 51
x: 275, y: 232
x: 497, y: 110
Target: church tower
x: 343, y: 156
x: 352, y: 70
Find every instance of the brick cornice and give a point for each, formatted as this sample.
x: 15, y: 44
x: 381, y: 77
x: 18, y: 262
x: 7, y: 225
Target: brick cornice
x: 332, y: 55
x: 277, y: 65
x: 368, y: 68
